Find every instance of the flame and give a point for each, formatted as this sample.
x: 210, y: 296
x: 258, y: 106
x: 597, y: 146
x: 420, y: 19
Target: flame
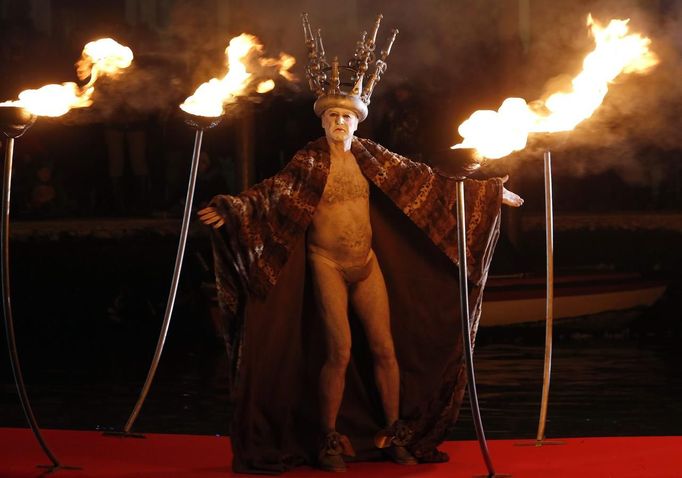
x: 265, y: 86
x: 285, y: 63
x: 101, y: 57
x: 210, y: 97
x: 104, y: 56
x: 54, y: 100
x: 495, y: 134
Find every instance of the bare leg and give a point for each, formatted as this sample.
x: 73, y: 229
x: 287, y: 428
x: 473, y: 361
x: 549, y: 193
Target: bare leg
x: 370, y: 301
x: 331, y: 296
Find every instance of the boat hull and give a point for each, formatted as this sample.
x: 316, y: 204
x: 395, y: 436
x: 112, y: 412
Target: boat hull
x: 519, y: 300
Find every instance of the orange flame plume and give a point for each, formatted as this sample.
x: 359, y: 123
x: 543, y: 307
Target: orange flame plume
x: 244, y: 51
x: 100, y: 57
x: 494, y: 134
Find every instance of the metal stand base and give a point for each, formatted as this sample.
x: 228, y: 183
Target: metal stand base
x: 52, y: 469
x: 539, y: 443
x: 123, y: 434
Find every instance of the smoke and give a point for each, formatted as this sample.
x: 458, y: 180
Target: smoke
x: 458, y: 56
x: 634, y: 132
x: 169, y: 63
x: 472, y: 54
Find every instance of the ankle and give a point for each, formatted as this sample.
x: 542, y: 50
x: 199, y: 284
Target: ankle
x: 394, y: 441
x: 333, y: 446
x: 397, y: 433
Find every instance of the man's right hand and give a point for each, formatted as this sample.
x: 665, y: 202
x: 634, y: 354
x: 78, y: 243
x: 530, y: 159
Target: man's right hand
x: 211, y: 217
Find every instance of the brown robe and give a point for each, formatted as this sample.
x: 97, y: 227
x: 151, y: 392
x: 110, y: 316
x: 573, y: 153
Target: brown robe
x: 275, y: 340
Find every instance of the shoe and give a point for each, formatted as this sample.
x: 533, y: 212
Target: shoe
x: 394, y: 440
x: 400, y: 455
x: 332, y: 446
x: 333, y: 463
x: 434, y: 456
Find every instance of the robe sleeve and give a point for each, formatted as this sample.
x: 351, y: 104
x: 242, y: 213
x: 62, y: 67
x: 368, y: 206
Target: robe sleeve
x: 261, y: 226
x: 429, y: 199
x: 482, y: 206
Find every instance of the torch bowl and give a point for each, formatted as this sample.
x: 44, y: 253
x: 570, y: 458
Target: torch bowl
x: 456, y: 163
x: 14, y: 120
x: 201, y: 122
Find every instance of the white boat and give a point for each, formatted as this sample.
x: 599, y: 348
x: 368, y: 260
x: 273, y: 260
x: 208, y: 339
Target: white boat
x: 519, y: 299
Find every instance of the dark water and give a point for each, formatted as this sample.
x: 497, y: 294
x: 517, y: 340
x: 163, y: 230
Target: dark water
x: 600, y: 387
x: 86, y: 332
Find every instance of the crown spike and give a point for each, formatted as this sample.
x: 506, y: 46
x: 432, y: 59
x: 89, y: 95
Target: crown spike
x: 357, y: 87
x: 358, y: 53
x: 307, y: 32
x: 335, y: 80
x: 320, y: 45
x: 360, y: 63
x: 316, y: 62
x: 387, y: 51
x: 379, y: 68
x: 373, y: 38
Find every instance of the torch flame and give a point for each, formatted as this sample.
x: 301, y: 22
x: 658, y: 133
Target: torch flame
x: 210, y: 97
x: 265, y: 86
x: 104, y: 56
x: 284, y: 63
x: 495, y: 134
x: 101, y: 57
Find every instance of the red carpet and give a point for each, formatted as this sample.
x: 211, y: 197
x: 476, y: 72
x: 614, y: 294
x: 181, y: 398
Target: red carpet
x: 187, y: 456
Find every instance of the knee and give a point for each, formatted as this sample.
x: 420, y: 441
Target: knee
x: 338, y: 356
x: 384, y: 354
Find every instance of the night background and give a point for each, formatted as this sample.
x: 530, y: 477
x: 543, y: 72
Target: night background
x: 93, y: 240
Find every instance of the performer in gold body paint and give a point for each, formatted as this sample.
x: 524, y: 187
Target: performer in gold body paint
x: 327, y: 223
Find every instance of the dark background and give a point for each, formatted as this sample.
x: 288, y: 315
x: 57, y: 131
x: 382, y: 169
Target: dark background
x: 92, y: 255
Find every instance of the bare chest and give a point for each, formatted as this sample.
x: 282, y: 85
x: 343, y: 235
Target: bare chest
x: 345, y: 182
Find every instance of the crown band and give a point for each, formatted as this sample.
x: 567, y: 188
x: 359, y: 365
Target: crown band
x: 348, y: 102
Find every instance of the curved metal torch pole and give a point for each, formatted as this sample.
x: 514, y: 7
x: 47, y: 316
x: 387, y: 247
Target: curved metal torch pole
x: 174, y: 284
x: 549, y: 311
x: 7, y: 306
x: 466, y: 328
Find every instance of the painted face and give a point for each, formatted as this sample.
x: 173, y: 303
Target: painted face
x: 339, y: 124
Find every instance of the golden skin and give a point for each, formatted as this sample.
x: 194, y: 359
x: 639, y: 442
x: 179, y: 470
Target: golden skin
x: 341, y: 231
